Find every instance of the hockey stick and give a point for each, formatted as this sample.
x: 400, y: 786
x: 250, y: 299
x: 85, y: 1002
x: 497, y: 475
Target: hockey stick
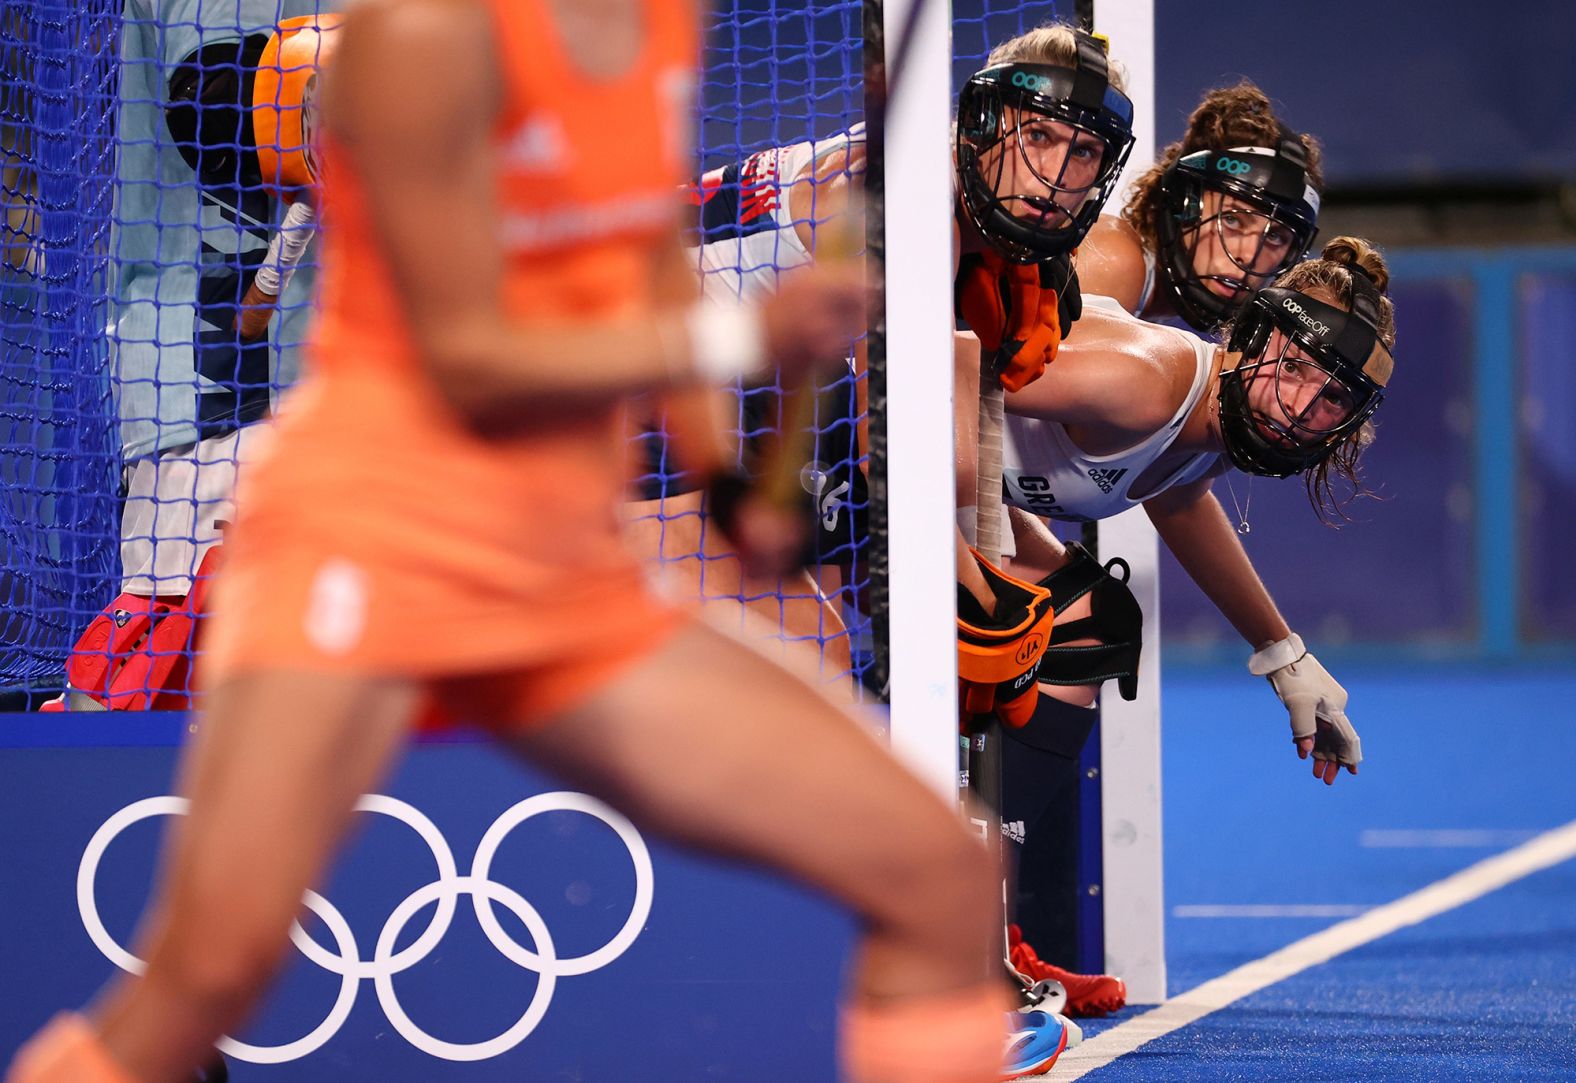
x: 285, y: 249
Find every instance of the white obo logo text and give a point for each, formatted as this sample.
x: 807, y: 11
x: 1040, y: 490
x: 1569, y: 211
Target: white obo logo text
x: 386, y: 962
x: 1307, y: 321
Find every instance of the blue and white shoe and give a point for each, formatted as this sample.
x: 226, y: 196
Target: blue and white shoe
x: 1035, y: 1038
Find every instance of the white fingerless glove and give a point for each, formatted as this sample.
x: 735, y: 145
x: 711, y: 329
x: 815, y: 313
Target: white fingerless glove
x: 1317, y: 704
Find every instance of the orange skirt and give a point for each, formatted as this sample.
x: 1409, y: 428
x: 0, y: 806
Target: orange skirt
x: 342, y: 561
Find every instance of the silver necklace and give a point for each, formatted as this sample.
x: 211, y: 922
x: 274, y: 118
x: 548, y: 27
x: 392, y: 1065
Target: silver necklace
x: 1243, y: 528
x: 1242, y: 511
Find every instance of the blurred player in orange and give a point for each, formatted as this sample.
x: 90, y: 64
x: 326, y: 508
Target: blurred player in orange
x: 501, y: 275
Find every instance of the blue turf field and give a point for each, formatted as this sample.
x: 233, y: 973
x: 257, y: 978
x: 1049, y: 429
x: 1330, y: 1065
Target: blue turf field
x: 1461, y: 764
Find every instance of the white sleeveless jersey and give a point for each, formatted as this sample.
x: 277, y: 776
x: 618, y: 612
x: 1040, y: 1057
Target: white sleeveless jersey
x: 746, y: 230
x: 1044, y: 472
x: 1148, y: 290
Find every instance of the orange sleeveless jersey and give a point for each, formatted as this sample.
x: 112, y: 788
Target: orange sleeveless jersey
x: 444, y: 551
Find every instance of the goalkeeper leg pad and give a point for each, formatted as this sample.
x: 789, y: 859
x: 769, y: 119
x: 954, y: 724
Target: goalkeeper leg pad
x: 1116, y: 621
x: 137, y: 654
x: 999, y: 652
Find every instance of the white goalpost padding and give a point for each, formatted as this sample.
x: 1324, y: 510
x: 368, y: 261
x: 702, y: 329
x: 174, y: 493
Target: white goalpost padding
x: 1133, y: 885
x: 920, y: 459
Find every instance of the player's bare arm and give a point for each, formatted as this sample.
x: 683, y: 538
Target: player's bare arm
x: 1190, y: 520
x: 489, y: 367
x: 1101, y: 378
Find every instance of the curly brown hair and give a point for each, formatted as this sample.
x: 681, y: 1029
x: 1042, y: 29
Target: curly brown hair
x: 1236, y: 116
x: 1329, y: 279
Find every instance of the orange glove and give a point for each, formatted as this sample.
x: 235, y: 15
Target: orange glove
x: 1017, y: 313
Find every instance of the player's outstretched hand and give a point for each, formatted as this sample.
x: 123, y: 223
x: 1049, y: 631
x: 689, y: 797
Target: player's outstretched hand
x: 1316, y: 704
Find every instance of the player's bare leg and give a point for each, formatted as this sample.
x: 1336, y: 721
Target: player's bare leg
x: 275, y: 769
x: 715, y: 746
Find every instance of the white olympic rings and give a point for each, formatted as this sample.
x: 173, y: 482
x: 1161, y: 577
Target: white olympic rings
x: 386, y: 962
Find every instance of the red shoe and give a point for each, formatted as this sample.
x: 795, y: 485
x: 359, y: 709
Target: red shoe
x: 1088, y: 995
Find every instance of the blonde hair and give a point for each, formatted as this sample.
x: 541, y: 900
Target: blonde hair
x: 1237, y: 116
x: 1329, y: 278
x: 1050, y: 43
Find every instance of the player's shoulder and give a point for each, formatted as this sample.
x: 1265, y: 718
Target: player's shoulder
x: 832, y: 168
x: 822, y: 186
x: 1133, y: 374
x: 837, y: 159
x: 1111, y: 262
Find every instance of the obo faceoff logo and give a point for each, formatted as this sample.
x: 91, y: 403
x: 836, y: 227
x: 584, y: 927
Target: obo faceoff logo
x: 1314, y: 325
x: 385, y: 962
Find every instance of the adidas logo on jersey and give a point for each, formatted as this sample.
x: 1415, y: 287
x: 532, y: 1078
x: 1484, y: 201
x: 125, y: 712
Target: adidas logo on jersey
x: 1013, y: 831
x: 536, y: 146
x: 1106, y: 479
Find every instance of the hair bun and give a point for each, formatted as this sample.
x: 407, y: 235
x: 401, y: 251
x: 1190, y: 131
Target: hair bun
x: 1358, y: 255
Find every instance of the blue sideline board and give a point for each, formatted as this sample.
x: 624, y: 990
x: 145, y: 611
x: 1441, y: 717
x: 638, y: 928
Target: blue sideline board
x: 732, y: 974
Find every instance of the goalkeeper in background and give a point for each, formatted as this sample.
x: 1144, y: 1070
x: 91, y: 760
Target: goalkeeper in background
x: 212, y: 294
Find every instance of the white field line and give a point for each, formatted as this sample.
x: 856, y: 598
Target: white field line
x: 1444, y: 839
x: 1270, y: 910
x: 1490, y: 874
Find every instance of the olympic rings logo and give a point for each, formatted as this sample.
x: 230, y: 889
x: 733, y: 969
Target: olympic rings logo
x: 1235, y: 166
x: 386, y: 962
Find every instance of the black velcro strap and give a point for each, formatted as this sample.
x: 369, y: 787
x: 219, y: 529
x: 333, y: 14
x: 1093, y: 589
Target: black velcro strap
x: 1092, y: 76
x: 1358, y: 336
x: 1115, y: 619
x: 1059, y: 274
x: 1288, y: 178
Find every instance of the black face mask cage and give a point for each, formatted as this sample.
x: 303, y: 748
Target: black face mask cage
x: 1245, y: 234
x: 1079, y: 97
x: 1272, y: 183
x: 209, y: 112
x: 1349, y: 364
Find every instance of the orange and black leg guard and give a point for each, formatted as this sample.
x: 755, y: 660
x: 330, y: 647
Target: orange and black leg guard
x: 999, y: 652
